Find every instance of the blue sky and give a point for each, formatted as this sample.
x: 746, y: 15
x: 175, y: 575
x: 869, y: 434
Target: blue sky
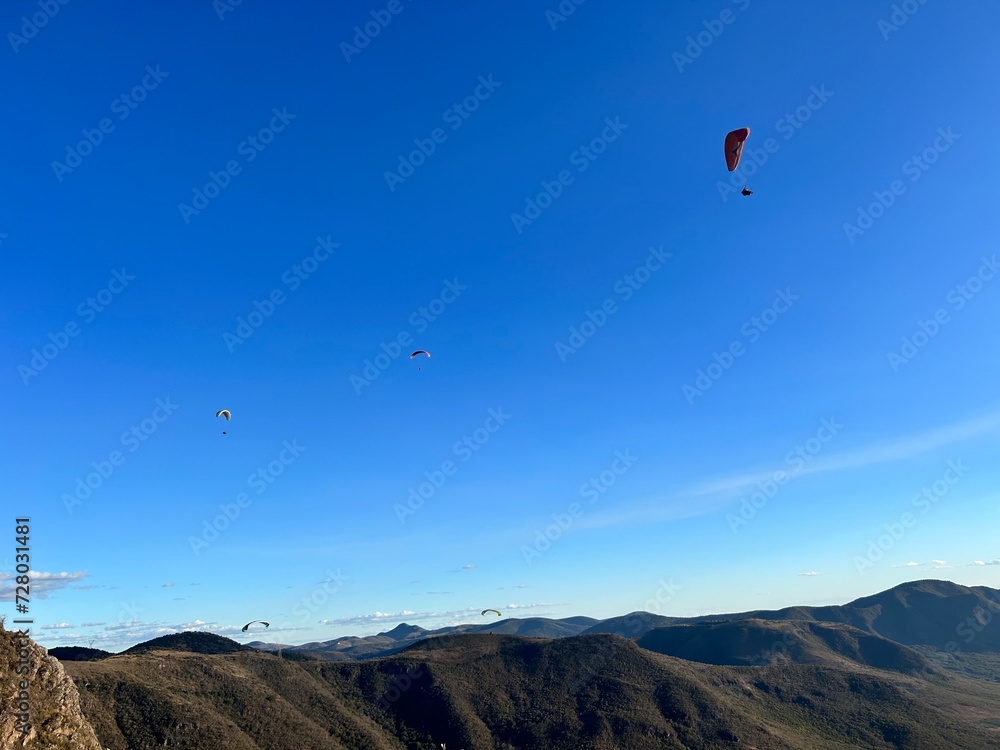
x: 615, y: 370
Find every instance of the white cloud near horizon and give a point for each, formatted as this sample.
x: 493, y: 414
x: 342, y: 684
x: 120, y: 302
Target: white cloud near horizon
x: 467, y: 616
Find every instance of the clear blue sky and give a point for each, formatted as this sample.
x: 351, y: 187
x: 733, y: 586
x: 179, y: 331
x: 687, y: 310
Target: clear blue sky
x: 815, y: 312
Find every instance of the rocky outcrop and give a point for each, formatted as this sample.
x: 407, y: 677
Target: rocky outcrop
x: 39, y: 704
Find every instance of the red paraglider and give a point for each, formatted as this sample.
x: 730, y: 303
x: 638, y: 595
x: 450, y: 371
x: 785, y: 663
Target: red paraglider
x: 734, y: 147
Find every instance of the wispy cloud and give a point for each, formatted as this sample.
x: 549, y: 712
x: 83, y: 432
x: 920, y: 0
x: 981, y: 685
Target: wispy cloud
x: 42, y: 584
x: 711, y: 495
x: 529, y: 606
x: 377, y: 618
x: 878, y: 453
x: 810, y: 573
x: 468, y: 616
x: 57, y: 626
x: 938, y: 564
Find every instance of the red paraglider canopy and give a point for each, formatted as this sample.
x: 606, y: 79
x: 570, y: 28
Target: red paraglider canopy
x: 734, y: 147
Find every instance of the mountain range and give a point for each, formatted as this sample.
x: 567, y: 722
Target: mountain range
x: 917, y: 666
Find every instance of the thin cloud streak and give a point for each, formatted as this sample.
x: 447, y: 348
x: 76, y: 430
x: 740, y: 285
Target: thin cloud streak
x: 678, y: 506
x: 895, y: 450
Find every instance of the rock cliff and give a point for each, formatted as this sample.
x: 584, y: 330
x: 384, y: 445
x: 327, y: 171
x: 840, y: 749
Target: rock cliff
x: 39, y: 704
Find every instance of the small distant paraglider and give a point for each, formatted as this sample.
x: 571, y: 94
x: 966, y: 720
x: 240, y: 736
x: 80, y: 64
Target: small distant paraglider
x: 499, y: 613
x: 418, y: 352
x: 247, y: 626
x: 223, y: 413
x: 734, y: 150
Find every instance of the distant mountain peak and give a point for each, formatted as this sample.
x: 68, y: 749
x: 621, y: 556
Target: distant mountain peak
x: 403, y: 631
x: 903, y: 591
